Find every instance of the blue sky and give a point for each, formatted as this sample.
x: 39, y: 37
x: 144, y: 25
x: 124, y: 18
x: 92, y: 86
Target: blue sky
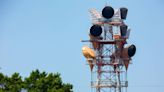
x: 46, y: 34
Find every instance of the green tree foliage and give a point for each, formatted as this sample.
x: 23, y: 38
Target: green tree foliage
x: 36, y: 82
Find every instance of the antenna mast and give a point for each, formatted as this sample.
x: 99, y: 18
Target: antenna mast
x: 107, y: 57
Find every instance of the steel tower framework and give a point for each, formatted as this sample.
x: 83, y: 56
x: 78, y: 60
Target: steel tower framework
x: 107, y: 56
x: 108, y: 76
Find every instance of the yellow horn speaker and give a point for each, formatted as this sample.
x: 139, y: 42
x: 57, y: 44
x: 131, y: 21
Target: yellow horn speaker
x: 89, y: 55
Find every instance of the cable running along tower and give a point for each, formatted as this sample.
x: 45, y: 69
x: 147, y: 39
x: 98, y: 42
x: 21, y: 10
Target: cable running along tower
x: 108, y: 55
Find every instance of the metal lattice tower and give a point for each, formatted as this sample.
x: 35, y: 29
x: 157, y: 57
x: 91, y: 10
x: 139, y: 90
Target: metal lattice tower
x: 108, y: 76
x: 107, y: 57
